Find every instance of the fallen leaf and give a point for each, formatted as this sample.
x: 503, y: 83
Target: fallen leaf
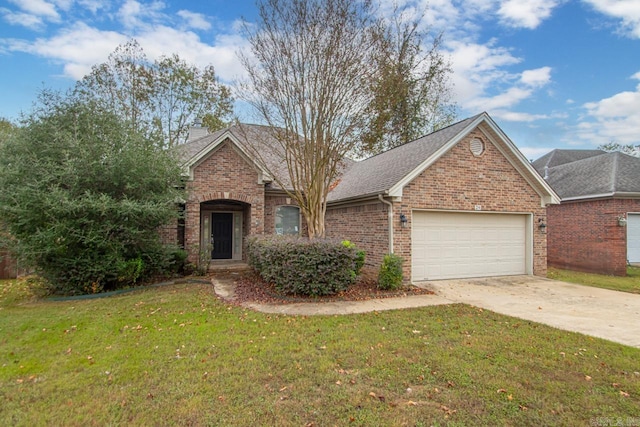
x: 372, y: 394
x: 624, y: 393
x: 501, y: 390
x: 283, y: 389
x: 338, y: 382
x: 587, y: 377
x: 522, y: 407
x: 510, y: 397
x: 411, y: 403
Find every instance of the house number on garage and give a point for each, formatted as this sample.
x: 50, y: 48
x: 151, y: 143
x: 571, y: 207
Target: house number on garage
x: 478, y: 207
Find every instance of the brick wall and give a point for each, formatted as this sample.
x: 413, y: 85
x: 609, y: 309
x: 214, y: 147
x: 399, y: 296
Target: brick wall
x: 585, y: 236
x: 460, y: 181
x: 223, y: 175
x: 366, y: 225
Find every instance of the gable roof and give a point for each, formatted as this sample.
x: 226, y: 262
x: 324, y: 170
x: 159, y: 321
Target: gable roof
x: 388, y: 172
x: 561, y: 157
x: 193, y: 152
x: 594, y: 175
x: 384, y: 174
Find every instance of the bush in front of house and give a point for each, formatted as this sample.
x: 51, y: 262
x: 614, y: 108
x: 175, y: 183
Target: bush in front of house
x: 390, y: 275
x: 302, y: 266
x: 83, y: 196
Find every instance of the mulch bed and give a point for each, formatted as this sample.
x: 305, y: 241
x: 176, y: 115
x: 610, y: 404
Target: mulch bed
x: 251, y: 288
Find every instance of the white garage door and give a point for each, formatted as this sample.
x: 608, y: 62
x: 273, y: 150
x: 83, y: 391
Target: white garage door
x: 447, y: 245
x: 633, y: 237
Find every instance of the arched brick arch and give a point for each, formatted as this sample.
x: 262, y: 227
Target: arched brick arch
x: 225, y: 195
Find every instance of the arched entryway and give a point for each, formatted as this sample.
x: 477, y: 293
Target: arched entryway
x: 223, y: 226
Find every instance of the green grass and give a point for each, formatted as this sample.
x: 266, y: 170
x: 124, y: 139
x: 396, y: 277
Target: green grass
x: 177, y: 355
x: 630, y: 283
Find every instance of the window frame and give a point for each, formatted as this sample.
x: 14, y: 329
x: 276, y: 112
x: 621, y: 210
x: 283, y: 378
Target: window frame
x: 275, y: 221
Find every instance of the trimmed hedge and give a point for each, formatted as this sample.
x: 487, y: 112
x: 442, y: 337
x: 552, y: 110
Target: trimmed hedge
x: 302, y: 266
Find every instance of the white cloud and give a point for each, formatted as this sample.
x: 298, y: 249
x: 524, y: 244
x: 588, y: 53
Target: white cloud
x: 628, y: 11
x: 533, y: 153
x: 222, y: 54
x: 512, y: 116
x: 476, y: 67
x: 135, y: 15
x: 38, y: 8
x: 536, y: 78
x: 526, y: 13
x: 77, y: 48
x: 33, y: 22
x: 195, y: 20
x: 612, y: 119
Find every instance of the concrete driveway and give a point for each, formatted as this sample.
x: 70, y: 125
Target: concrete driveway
x: 598, y: 312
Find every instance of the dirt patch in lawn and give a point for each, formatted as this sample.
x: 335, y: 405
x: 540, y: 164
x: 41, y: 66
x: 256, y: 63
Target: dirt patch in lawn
x: 251, y: 288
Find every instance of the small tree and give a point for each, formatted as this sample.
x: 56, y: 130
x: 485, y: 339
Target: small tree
x: 630, y: 149
x: 83, y: 196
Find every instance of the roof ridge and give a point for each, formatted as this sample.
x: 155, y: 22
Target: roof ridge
x: 614, y: 171
x: 422, y: 136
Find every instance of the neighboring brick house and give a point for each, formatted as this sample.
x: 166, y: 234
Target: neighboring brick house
x: 596, y: 227
x: 460, y: 202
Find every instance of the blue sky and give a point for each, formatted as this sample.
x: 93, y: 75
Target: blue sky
x: 552, y: 73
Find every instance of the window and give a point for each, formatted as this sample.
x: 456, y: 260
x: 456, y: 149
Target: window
x: 287, y: 220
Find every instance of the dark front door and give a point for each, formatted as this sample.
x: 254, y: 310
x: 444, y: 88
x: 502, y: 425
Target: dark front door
x: 222, y: 235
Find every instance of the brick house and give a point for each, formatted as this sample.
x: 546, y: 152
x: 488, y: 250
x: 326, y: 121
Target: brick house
x: 596, y: 227
x: 459, y: 202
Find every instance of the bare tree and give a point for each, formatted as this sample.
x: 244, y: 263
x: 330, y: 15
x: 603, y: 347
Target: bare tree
x: 309, y: 80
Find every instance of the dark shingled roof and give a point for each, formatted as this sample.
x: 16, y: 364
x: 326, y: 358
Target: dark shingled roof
x: 379, y: 173
x: 367, y: 178
x: 561, y: 157
x: 593, y: 173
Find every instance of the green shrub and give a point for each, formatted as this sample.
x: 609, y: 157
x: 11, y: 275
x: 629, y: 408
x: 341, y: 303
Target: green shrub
x: 360, y: 256
x: 301, y: 266
x: 88, y: 220
x: 130, y: 271
x: 390, y: 275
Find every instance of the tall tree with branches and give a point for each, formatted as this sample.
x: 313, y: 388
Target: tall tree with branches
x: 411, y: 90
x: 331, y: 78
x: 159, y: 97
x: 309, y: 80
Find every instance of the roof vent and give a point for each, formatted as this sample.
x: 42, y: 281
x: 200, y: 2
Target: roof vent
x: 476, y: 146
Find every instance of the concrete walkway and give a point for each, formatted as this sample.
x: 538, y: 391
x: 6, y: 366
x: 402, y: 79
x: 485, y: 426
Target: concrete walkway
x: 597, y: 312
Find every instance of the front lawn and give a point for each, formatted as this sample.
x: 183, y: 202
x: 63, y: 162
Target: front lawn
x: 630, y: 283
x: 177, y: 355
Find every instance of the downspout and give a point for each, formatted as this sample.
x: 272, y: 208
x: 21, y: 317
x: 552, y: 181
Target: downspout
x: 390, y: 221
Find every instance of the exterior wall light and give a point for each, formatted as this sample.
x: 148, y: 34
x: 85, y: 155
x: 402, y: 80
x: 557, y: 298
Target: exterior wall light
x: 403, y: 220
x: 542, y: 226
x: 622, y: 221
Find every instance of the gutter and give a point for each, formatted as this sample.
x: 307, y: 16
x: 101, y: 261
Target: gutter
x: 614, y: 195
x: 381, y: 198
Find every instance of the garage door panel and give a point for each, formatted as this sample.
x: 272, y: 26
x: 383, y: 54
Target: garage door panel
x: 633, y: 237
x: 458, y: 245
